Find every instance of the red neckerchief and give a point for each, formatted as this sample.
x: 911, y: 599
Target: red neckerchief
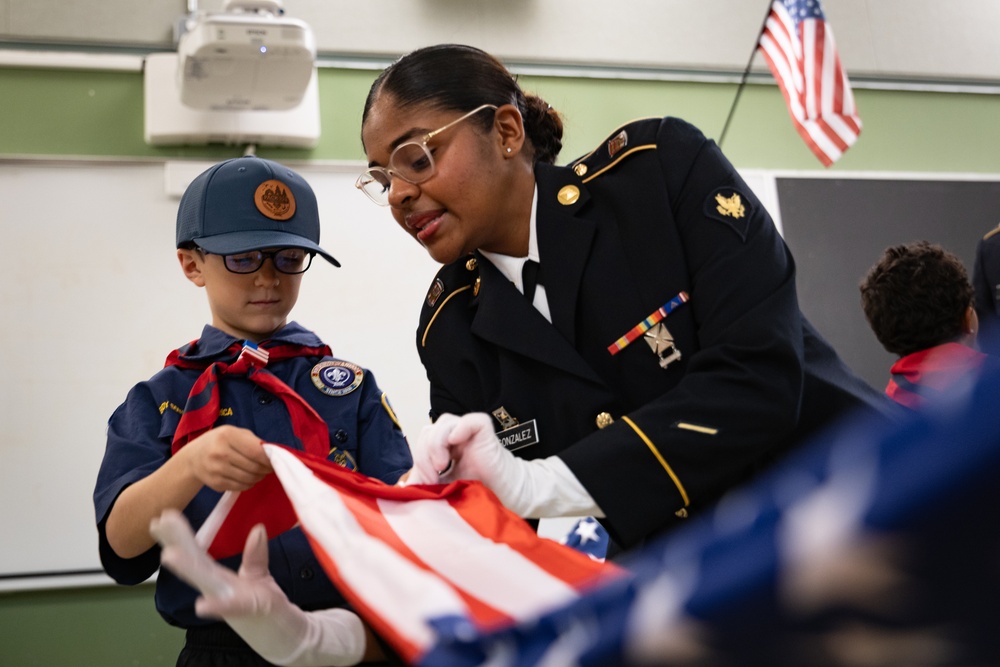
x: 202, y: 407
x: 925, y: 374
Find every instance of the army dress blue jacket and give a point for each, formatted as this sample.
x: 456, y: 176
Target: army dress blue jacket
x: 364, y: 435
x: 667, y: 424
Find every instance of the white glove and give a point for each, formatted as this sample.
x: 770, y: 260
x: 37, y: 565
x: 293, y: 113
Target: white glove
x: 254, y: 606
x: 467, y: 448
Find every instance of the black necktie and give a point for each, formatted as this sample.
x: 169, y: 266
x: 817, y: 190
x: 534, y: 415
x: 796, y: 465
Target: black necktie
x: 529, y: 276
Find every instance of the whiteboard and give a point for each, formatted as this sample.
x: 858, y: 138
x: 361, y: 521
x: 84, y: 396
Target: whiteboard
x: 94, y: 299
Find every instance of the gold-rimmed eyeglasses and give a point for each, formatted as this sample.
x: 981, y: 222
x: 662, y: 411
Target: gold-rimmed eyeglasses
x: 413, y: 162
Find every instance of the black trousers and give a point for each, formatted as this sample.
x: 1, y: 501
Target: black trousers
x: 217, y: 645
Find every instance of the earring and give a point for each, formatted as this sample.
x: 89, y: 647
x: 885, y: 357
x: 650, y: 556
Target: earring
x: 508, y: 150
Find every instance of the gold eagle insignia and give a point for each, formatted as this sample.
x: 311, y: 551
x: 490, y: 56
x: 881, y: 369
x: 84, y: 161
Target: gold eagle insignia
x: 731, y: 206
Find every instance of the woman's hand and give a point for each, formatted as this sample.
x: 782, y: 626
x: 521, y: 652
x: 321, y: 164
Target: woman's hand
x: 467, y: 448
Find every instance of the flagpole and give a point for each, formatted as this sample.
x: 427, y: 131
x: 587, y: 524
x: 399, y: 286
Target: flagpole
x: 746, y: 71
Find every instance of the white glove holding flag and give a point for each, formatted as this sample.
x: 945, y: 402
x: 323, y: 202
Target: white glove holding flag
x: 467, y: 448
x: 254, y: 606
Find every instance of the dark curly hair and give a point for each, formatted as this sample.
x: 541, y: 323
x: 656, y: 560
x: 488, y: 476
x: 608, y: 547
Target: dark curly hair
x: 454, y: 77
x: 916, y: 297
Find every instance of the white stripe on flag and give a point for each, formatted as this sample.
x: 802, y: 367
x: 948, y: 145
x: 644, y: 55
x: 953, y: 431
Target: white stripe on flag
x: 206, y: 534
x: 458, y: 552
x: 809, y: 72
x: 396, y: 589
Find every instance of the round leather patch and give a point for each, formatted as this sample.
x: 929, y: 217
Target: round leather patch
x: 275, y: 200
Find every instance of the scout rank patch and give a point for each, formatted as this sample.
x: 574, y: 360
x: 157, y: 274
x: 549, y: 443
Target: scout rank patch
x: 343, y: 458
x: 336, y: 378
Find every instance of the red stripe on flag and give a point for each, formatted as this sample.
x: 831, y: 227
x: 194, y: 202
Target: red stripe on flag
x: 265, y: 502
x: 367, y: 511
x: 572, y: 564
x: 408, y: 558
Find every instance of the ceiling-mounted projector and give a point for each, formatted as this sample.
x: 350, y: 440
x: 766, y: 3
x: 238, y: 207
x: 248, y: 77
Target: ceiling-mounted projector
x: 247, y: 57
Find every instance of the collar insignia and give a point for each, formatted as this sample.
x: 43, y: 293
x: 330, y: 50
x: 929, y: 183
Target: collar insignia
x: 618, y: 142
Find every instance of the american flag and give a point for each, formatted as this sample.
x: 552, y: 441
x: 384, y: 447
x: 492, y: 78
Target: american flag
x: 256, y: 356
x: 798, y: 45
x: 427, y: 566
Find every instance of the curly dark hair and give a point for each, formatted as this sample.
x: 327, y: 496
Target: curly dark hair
x: 915, y: 297
x: 455, y: 77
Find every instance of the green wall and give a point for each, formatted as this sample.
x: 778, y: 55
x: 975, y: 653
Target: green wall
x: 85, y: 626
x: 74, y: 112
x: 88, y: 113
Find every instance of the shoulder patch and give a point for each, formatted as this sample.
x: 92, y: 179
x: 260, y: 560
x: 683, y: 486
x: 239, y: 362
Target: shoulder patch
x: 627, y: 139
x: 732, y: 208
x: 390, y: 411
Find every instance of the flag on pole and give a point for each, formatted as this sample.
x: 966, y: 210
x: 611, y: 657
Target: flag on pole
x: 424, y: 565
x: 798, y: 45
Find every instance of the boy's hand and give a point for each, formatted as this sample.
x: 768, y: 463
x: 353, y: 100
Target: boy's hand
x: 252, y: 603
x: 227, y: 458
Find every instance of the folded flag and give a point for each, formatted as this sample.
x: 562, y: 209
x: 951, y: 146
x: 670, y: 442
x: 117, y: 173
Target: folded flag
x: 424, y: 565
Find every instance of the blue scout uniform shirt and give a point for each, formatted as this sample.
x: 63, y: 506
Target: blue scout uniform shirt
x: 364, y: 436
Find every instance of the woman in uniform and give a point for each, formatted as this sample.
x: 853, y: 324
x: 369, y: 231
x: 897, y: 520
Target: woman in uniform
x: 662, y: 358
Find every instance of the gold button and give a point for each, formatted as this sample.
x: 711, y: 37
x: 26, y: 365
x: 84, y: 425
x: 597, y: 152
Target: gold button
x: 475, y: 288
x: 470, y: 264
x: 568, y: 195
x: 604, y: 420
x: 682, y: 513
x: 580, y: 169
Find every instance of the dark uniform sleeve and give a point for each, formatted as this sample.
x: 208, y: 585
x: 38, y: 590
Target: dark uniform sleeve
x: 741, y: 391
x: 135, y: 449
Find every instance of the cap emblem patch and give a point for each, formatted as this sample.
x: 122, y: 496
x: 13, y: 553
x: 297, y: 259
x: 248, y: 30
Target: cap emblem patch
x: 274, y: 200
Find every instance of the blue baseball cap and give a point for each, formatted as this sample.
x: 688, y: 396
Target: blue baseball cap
x: 248, y: 203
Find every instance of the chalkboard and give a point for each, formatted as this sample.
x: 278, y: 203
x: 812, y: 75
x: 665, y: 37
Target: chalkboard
x: 94, y: 299
x: 838, y: 228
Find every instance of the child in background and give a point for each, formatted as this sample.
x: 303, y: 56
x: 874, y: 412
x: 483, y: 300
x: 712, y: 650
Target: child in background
x: 919, y: 302
x: 247, y: 230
